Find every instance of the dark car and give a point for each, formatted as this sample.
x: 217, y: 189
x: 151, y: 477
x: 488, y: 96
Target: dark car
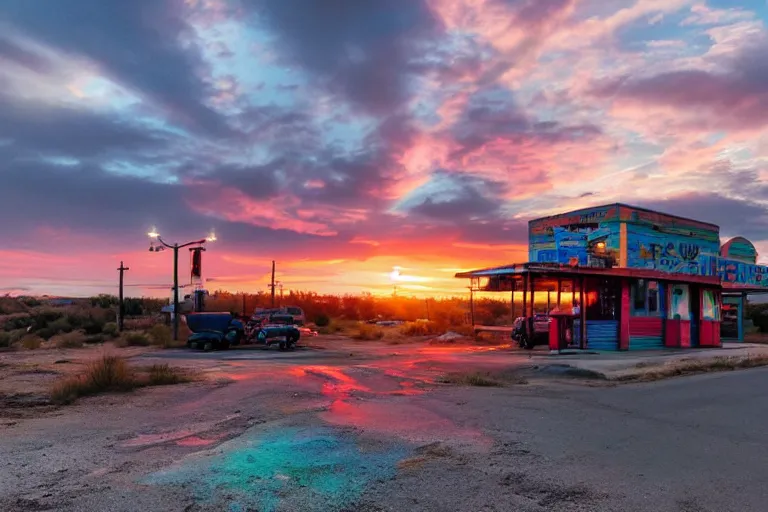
x: 539, y: 336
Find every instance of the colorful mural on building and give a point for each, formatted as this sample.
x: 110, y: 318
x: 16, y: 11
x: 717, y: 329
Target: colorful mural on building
x: 739, y: 249
x: 587, y: 237
x: 670, y: 244
x: 621, y: 235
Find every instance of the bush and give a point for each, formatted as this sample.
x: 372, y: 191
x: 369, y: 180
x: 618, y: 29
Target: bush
x: 135, y: 339
x: 95, y: 338
x: 18, y: 322
x: 110, y: 329
x: 422, y: 328
x: 322, y: 320
x: 17, y: 335
x: 369, y: 332
x: 162, y: 375
x: 31, y: 342
x: 110, y: 373
x: 161, y: 335
x: 60, y: 325
x: 5, y: 339
x: 72, y: 339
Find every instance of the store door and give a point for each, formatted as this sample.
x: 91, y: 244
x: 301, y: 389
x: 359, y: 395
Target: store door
x: 695, y: 309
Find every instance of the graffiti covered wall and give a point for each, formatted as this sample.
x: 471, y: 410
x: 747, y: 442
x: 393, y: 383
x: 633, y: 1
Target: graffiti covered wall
x: 588, y: 237
x: 670, y: 244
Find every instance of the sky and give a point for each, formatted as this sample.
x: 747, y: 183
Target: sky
x: 345, y: 138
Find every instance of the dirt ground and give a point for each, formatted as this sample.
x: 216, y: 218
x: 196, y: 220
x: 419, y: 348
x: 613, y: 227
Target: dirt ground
x: 369, y: 426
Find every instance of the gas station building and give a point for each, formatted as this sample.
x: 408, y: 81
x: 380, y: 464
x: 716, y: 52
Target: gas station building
x: 618, y: 277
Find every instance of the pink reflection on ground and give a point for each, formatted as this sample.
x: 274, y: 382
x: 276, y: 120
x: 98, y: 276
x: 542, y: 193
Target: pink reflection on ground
x: 403, y: 420
x: 197, y: 441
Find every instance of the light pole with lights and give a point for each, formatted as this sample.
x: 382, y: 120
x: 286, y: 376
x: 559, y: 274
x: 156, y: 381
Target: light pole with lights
x: 154, y: 235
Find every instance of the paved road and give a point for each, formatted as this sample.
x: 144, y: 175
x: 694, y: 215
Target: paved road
x: 378, y: 435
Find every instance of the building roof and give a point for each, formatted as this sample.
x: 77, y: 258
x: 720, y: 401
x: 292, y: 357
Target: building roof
x: 567, y: 270
x: 619, y: 205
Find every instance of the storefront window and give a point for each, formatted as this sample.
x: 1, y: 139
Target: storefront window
x: 679, y: 306
x: 602, y: 299
x: 710, y: 309
x: 645, y: 298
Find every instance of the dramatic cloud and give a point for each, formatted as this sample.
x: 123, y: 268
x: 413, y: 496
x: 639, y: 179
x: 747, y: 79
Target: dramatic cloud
x: 345, y: 137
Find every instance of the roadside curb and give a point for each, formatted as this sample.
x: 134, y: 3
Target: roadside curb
x: 659, y: 371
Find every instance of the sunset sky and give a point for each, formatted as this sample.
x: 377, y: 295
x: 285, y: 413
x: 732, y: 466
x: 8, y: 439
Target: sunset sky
x: 343, y: 138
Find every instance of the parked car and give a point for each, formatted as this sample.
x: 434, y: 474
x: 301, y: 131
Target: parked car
x: 539, y: 336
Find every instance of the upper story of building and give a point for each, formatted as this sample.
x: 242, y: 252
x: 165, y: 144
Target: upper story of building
x: 619, y: 235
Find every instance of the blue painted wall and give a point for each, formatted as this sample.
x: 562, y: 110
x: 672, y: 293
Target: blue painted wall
x: 567, y: 238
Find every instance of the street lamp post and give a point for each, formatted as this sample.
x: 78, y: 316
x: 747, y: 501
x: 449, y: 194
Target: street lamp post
x: 154, y: 235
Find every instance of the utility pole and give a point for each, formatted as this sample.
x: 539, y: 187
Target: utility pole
x: 120, y: 306
x: 175, y: 292
x: 272, y: 285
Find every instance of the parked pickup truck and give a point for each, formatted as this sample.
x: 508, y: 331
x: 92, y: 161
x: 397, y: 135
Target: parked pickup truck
x: 214, y: 331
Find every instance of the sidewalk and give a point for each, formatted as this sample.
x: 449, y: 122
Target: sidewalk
x: 637, y: 365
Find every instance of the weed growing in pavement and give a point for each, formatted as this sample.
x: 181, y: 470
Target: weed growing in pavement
x: 112, y: 374
x: 480, y: 379
x: 162, y: 375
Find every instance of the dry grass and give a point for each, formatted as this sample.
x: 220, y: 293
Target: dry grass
x: 74, y: 339
x: 31, y: 342
x: 694, y: 366
x: 163, y: 375
x: 481, y: 379
x: 112, y: 374
x: 368, y: 332
x: 134, y: 339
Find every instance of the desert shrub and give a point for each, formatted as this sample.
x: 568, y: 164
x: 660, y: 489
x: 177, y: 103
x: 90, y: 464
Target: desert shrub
x: 18, y: 322
x: 72, y: 339
x: 160, y: 334
x: 135, y: 339
x: 17, y: 335
x: 60, y: 325
x: 421, y: 328
x: 31, y: 302
x: 110, y: 329
x: 322, y: 320
x: 5, y: 339
x: 95, y: 338
x: 31, y: 341
x: 332, y: 328
x: 110, y: 373
x: 368, y: 332
x: 142, y: 323
x: 162, y: 375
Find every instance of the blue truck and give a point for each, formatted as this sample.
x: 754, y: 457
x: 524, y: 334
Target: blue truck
x: 219, y: 331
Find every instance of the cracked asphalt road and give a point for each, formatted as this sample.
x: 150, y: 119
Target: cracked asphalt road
x: 323, y: 430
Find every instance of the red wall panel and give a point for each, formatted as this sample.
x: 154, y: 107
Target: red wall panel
x: 672, y: 334
x: 645, y: 326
